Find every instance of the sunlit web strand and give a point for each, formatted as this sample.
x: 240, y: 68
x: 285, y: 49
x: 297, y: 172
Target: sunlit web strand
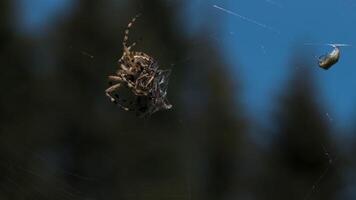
x: 328, y: 44
x: 246, y: 19
x: 321, y: 177
x: 87, y: 54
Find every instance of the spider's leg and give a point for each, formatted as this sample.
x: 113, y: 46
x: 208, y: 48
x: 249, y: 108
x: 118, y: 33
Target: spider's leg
x: 132, y: 45
x: 129, y: 83
x: 150, y: 80
x: 144, y: 80
x: 126, y: 55
x: 115, y: 78
x: 122, y: 106
x: 137, y: 91
x: 124, y: 67
x: 126, y: 38
x: 127, y: 31
x: 141, y: 77
x: 166, y: 104
x: 150, y: 62
x: 112, y: 89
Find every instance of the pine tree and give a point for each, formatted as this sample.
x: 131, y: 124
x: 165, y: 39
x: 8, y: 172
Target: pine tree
x: 301, y: 166
x: 81, y: 146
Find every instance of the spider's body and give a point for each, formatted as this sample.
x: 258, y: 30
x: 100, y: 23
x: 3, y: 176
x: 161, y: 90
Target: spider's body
x: 140, y: 73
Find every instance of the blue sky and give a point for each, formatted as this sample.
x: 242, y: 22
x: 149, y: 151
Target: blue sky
x: 37, y: 16
x: 259, y: 56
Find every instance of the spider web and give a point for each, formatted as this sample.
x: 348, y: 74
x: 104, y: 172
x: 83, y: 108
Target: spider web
x: 16, y: 178
x: 322, y: 176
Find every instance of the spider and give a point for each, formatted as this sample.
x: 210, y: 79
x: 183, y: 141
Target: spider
x: 140, y: 73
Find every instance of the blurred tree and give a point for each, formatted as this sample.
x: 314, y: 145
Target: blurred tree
x: 61, y: 138
x: 348, y: 164
x: 21, y: 130
x: 299, y: 163
x: 88, y: 148
x: 216, y: 124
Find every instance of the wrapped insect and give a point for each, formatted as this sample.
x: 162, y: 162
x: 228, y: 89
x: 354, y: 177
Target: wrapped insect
x: 158, y: 93
x: 157, y: 98
x: 328, y: 60
x: 141, y: 74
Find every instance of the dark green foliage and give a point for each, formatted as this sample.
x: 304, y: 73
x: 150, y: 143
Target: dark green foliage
x: 61, y: 138
x: 300, y: 163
